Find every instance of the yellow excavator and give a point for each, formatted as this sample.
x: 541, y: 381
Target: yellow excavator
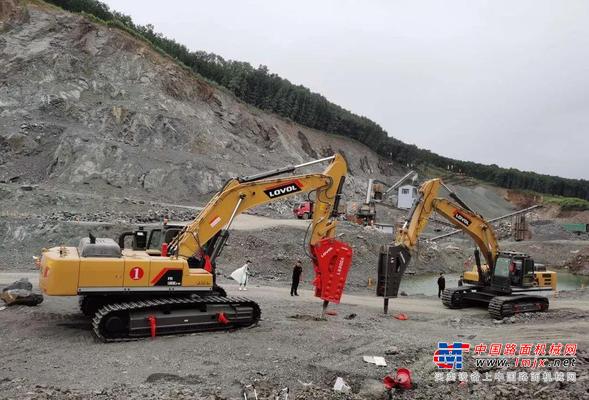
x: 501, y: 284
x: 131, y: 293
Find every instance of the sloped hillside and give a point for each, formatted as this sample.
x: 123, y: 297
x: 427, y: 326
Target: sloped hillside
x: 89, y: 107
x: 270, y: 92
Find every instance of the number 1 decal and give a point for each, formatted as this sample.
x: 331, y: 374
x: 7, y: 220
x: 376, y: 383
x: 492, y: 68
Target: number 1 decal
x: 136, y: 273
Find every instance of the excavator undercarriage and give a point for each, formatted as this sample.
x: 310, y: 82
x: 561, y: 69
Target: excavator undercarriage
x: 131, y: 320
x: 498, y: 306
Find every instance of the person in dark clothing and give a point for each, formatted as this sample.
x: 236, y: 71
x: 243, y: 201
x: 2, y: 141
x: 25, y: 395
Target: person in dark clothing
x: 296, y: 277
x: 460, y: 281
x: 441, y: 284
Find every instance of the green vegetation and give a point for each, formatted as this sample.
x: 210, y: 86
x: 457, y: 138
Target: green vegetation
x: 567, y: 203
x: 268, y: 91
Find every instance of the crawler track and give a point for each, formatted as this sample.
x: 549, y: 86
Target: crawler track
x: 506, y: 306
x: 498, y: 306
x: 454, y: 297
x: 126, y: 321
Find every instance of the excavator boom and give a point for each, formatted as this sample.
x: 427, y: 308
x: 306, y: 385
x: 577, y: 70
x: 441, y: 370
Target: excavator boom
x: 204, y: 238
x: 240, y: 194
x: 470, y: 222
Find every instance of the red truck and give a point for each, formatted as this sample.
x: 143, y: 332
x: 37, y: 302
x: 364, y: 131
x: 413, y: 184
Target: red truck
x: 303, y: 210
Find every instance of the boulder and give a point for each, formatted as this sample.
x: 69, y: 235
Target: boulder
x: 21, y: 292
x: 22, y: 283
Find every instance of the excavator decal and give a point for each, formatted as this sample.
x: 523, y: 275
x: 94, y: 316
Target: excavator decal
x: 215, y: 221
x: 462, y: 218
x: 284, y: 189
x: 168, y: 277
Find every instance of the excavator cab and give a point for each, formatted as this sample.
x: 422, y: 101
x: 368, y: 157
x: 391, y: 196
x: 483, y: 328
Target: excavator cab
x: 138, y: 239
x: 158, y: 236
x: 514, y: 269
x: 150, y: 241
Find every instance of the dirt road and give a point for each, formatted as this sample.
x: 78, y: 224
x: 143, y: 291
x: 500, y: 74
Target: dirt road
x: 52, y: 346
x: 255, y: 222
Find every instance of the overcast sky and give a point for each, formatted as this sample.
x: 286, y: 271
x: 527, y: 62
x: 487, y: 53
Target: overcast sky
x: 504, y: 82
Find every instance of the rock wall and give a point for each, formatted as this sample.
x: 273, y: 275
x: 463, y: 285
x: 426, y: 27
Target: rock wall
x: 87, y: 106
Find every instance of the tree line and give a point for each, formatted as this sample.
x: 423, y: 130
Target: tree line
x: 268, y: 91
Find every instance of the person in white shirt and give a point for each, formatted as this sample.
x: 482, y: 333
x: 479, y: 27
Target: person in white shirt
x: 246, y: 273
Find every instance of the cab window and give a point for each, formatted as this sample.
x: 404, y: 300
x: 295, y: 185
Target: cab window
x: 502, y: 267
x: 155, y: 239
x: 171, y: 234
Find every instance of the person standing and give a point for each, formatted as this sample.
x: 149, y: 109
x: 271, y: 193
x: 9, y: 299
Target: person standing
x: 245, y: 275
x: 461, y: 280
x: 441, y: 284
x: 296, y: 278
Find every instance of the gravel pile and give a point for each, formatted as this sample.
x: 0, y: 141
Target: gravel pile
x: 150, y: 216
x: 552, y: 230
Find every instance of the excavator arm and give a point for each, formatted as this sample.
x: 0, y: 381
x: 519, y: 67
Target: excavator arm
x: 202, y: 241
x: 459, y: 215
x: 240, y: 194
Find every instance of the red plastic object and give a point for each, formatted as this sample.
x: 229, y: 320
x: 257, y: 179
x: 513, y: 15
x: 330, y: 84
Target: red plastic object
x: 331, y: 312
x: 332, y: 260
x: 401, y: 316
x: 402, y: 380
x: 208, y: 265
x: 164, y: 249
x: 222, y: 319
x: 152, y: 324
x: 389, y: 382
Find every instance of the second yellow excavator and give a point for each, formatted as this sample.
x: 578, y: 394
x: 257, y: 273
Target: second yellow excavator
x: 502, y: 284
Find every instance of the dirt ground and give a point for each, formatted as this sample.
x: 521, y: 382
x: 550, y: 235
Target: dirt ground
x: 48, y: 352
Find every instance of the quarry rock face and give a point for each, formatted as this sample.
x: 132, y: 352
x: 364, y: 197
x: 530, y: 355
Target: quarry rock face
x: 85, y: 105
